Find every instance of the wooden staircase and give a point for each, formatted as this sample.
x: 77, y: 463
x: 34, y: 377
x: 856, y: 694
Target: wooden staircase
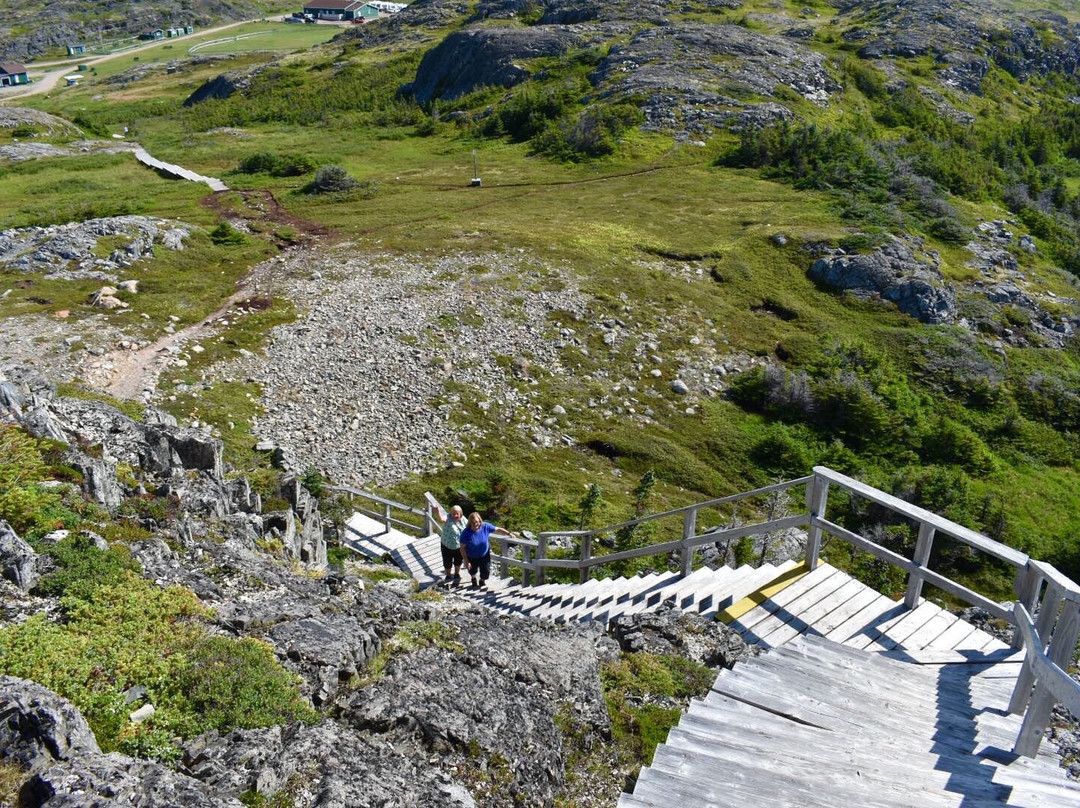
x: 817, y: 723
x: 858, y: 700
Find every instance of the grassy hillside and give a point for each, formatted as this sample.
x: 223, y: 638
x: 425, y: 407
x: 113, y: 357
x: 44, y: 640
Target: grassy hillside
x: 680, y: 235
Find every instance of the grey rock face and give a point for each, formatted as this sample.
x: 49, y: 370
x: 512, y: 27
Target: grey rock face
x: 104, y: 781
x: 486, y: 57
x: 18, y: 561
x: 956, y: 32
x: 224, y: 86
x: 896, y: 273
x: 67, y: 251
x: 341, y: 767
x: 333, y: 649
x: 99, y: 481
x: 38, y: 727
x: 671, y: 631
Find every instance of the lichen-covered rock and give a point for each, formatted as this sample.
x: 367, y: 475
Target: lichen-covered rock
x: 99, y: 482
x: 671, y: 631
x: 331, y: 649
x: 18, y: 561
x: 105, y: 781
x: 38, y: 727
x: 224, y: 85
x: 325, y: 766
x: 895, y: 272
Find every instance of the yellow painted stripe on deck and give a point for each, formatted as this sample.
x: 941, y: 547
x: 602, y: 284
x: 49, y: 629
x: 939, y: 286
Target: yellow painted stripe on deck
x: 754, y: 599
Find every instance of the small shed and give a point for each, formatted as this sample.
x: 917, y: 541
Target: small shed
x: 334, y: 9
x: 155, y: 33
x: 12, y: 73
x: 75, y: 50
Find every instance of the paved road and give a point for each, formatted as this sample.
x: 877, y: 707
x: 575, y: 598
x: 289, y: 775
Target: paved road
x: 50, y: 79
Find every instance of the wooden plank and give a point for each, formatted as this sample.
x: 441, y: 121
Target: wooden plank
x: 927, y: 635
x: 944, y: 656
x: 806, y: 619
x: 774, y: 597
x: 790, y: 614
x: 864, y: 623
x: 919, y: 776
x: 913, y: 622
x: 770, y: 590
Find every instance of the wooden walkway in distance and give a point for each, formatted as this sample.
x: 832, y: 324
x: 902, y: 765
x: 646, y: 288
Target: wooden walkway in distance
x: 420, y: 558
x: 145, y: 158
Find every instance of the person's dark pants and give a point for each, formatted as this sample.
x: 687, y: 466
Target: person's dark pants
x: 450, y: 558
x: 482, y: 564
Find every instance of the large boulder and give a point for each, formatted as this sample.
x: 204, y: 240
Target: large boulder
x: 38, y: 727
x: 104, y: 781
x: 99, y: 482
x: 898, y: 271
x: 486, y: 57
x: 18, y: 561
x: 671, y: 631
x: 338, y: 767
x: 223, y: 86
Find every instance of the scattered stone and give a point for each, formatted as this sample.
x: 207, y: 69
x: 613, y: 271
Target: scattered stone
x: 678, y: 386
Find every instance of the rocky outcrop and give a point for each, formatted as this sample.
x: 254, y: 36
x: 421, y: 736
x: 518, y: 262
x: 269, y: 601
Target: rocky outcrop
x: 898, y: 271
x: 689, y: 635
x: 37, y: 727
x: 224, y: 85
x: 340, y: 767
x: 18, y: 561
x: 484, y: 57
x: 964, y: 36
x: 68, y: 251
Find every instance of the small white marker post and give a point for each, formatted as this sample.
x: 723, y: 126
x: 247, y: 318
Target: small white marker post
x: 476, y: 181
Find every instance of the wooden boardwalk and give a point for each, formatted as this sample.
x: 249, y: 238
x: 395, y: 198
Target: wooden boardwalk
x: 145, y: 158
x: 829, y: 603
x: 857, y: 701
x: 813, y: 722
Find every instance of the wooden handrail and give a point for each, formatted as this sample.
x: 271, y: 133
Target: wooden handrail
x: 712, y: 503
x: 940, y: 524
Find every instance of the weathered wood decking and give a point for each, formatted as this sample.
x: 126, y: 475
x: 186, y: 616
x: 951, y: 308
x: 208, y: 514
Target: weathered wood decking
x: 146, y: 158
x: 816, y: 723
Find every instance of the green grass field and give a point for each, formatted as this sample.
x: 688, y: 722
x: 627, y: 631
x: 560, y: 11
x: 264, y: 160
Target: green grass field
x: 276, y: 37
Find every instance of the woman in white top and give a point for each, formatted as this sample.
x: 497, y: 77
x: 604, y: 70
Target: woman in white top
x: 451, y: 542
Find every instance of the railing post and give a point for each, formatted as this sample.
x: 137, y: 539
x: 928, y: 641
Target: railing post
x: 689, y: 529
x: 817, y: 497
x: 541, y: 555
x: 386, y: 516
x: 1061, y: 651
x: 503, y: 548
x: 586, y: 555
x: 1044, y: 625
x: 1027, y: 584
x: 526, y: 558
x: 923, y: 545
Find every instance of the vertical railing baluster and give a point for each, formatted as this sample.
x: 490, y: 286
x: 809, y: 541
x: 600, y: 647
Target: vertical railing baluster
x: 1061, y: 651
x: 586, y: 556
x: 1044, y: 625
x: 923, y: 545
x: 817, y: 497
x: 688, y: 531
x: 541, y: 555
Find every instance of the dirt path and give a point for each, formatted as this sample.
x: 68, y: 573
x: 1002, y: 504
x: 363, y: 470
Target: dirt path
x: 136, y: 373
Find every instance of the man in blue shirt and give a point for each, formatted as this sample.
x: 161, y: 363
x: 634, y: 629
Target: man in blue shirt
x: 477, y: 549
